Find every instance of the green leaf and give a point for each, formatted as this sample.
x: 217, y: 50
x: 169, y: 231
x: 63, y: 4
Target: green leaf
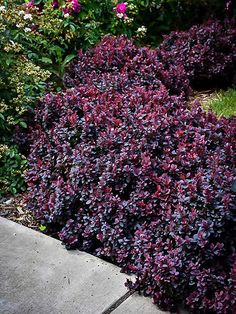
x: 14, y: 190
x: 68, y: 59
x: 23, y: 124
x: 57, y: 50
x: 46, y: 60
x: 42, y: 228
x: 11, y: 153
x: 72, y: 27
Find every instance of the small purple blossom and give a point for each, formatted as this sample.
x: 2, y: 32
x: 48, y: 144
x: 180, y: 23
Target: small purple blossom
x: 76, y: 6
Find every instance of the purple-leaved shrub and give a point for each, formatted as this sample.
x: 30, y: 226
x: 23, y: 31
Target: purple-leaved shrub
x: 116, y: 63
x: 123, y: 169
x: 207, y: 52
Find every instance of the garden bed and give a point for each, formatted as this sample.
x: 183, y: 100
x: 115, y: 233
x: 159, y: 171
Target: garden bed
x: 125, y: 160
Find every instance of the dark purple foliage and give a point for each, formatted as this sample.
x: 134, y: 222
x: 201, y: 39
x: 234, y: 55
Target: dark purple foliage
x: 207, y: 52
x: 124, y: 170
x: 117, y: 64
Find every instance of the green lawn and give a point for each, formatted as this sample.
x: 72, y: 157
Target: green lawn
x: 224, y: 104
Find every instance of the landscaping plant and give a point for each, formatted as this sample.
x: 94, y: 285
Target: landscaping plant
x: 123, y: 169
x: 53, y: 31
x: 207, y: 52
x: 12, y: 166
x: 22, y: 82
x: 162, y: 16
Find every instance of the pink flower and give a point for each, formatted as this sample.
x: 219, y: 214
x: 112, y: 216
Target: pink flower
x: 29, y: 4
x: 55, y: 4
x: 121, y: 8
x: 76, y: 6
x: 66, y: 10
x: 72, y: 6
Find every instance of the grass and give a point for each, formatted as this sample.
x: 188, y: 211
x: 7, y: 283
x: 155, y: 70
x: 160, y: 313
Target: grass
x: 223, y: 103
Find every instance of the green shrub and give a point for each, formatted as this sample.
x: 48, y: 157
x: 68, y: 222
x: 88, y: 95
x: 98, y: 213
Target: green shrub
x: 12, y: 166
x: 22, y: 83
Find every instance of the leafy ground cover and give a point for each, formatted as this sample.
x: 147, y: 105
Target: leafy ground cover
x: 122, y: 168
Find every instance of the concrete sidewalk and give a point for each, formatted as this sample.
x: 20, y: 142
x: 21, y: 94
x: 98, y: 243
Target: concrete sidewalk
x: 38, y: 275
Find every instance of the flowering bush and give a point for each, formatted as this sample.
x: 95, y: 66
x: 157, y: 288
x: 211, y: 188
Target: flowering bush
x: 50, y: 32
x: 22, y: 82
x: 158, y: 17
x: 124, y: 170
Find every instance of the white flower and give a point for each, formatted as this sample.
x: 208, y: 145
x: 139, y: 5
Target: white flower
x: 28, y: 16
x: 142, y: 30
x: 67, y: 15
x: 27, y: 29
x: 2, y: 9
x: 21, y: 12
x: 120, y: 15
x: 128, y: 20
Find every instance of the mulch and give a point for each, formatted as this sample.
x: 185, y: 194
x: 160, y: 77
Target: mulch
x: 203, y: 97
x: 13, y: 208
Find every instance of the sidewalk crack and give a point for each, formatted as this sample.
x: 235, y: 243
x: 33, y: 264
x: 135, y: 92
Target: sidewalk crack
x: 117, y: 303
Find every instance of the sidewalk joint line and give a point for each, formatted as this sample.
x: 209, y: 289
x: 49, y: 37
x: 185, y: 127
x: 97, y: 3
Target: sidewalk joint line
x: 117, y: 303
